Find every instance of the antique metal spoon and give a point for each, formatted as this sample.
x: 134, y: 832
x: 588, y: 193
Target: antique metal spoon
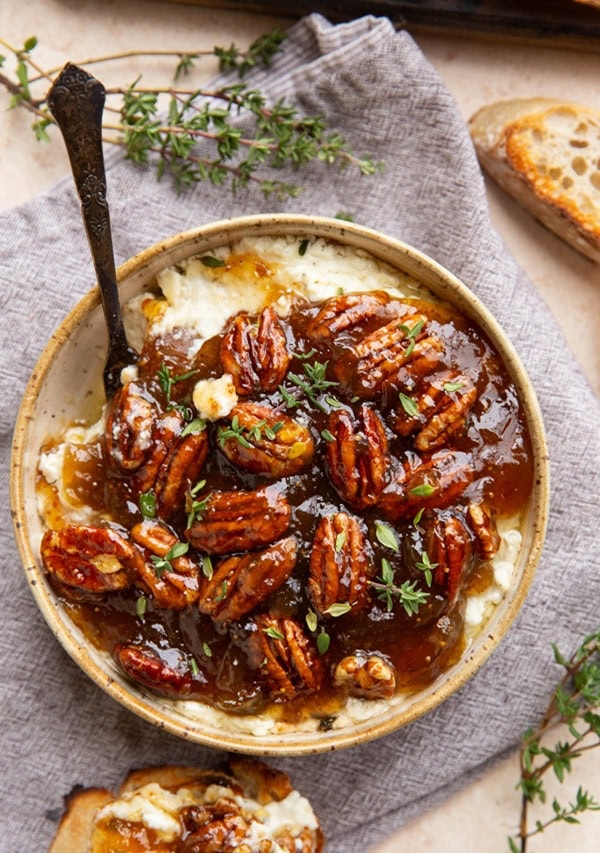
x: 76, y: 100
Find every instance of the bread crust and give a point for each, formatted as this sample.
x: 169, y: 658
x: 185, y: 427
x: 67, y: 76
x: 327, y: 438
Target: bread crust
x: 75, y: 828
x: 546, y: 154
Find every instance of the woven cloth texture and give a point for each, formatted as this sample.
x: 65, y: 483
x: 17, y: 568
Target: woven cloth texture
x: 373, y: 85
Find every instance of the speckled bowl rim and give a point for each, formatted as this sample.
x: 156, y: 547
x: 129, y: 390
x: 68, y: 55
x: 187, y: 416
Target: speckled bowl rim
x: 142, y: 268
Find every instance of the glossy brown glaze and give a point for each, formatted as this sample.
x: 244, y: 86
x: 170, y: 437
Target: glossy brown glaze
x: 482, y: 458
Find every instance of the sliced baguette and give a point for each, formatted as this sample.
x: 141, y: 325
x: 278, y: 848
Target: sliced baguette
x: 84, y: 828
x: 546, y: 154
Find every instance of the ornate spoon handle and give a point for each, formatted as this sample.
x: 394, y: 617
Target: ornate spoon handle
x: 76, y: 100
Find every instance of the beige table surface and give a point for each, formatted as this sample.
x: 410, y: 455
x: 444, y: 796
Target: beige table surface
x: 479, y: 818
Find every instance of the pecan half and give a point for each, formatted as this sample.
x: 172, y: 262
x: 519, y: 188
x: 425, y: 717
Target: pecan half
x: 426, y: 358
x: 145, y: 666
x: 265, y: 442
x: 367, y: 675
x: 441, y: 406
x: 241, y: 583
x: 343, y: 313
x: 481, y: 522
x: 255, y: 354
x: 380, y: 355
x: 173, y: 583
x: 339, y: 564
x: 450, y: 547
x: 129, y: 427
x: 174, y: 462
x: 357, y: 459
x: 282, y: 653
x: 179, y: 470
x: 90, y: 559
x: 166, y: 428
x: 437, y: 482
x: 240, y: 521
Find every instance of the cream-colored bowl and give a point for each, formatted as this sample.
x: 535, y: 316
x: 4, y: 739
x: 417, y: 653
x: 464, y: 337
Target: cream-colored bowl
x: 68, y: 376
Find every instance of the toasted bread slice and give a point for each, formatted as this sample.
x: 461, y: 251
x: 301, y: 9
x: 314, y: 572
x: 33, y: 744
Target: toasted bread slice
x: 87, y: 827
x: 546, y: 154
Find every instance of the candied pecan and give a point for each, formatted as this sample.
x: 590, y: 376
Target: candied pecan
x: 174, y: 462
x: 129, y: 427
x: 449, y: 547
x: 342, y: 313
x: 442, y: 406
x: 174, y: 582
x: 241, y: 583
x: 426, y: 357
x: 436, y: 482
x: 481, y: 522
x: 91, y: 559
x: 240, y: 521
x: 339, y: 564
x: 265, y: 442
x: 145, y: 666
x: 219, y: 828
x: 167, y: 427
x: 282, y: 653
x: 357, y: 459
x: 255, y: 354
x: 180, y: 468
x: 379, y: 356
x: 368, y: 675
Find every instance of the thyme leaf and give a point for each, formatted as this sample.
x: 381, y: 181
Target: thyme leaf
x: 163, y: 564
x: 386, y: 536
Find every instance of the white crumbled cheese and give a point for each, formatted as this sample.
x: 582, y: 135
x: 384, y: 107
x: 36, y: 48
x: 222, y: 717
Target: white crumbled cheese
x: 214, y: 398
x: 327, y: 268
x: 51, y: 464
x: 129, y: 374
x: 203, y: 298
x: 158, y: 809
x: 503, y: 572
x: 475, y: 610
x: 199, y: 302
x: 291, y: 814
x: 153, y: 806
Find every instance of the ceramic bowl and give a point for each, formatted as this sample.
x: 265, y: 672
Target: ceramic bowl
x: 74, y: 358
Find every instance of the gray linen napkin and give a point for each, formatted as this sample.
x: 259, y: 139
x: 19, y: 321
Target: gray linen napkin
x: 58, y: 729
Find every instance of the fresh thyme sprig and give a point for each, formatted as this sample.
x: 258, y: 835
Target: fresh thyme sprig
x: 310, y: 386
x: 426, y: 566
x: 243, y: 434
x: 193, y: 136
x: 410, y: 597
x: 194, y: 508
x: 574, y: 704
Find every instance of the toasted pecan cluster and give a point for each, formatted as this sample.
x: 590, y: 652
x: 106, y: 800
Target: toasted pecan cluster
x: 292, y: 547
